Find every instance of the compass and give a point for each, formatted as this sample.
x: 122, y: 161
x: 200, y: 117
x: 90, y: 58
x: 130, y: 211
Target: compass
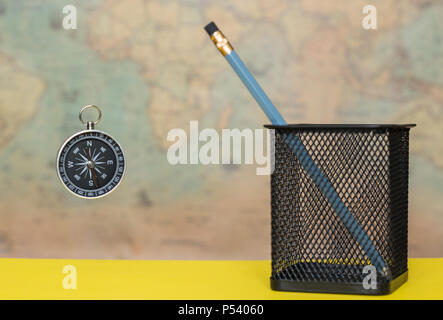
x: 91, y: 163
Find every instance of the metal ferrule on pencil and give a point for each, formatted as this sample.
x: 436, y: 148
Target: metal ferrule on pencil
x: 221, y: 42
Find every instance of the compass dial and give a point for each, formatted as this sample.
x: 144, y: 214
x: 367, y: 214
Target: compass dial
x: 91, y: 164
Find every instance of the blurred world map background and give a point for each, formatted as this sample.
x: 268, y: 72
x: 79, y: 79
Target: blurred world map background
x: 151, y: 67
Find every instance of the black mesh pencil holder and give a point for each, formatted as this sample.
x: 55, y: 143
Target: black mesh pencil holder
x: 339, y: 206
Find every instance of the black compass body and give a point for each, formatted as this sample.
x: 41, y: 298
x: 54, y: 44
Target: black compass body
x: 90, y: 164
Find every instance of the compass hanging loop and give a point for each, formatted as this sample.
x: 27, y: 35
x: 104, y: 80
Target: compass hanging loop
x: 90, y: 124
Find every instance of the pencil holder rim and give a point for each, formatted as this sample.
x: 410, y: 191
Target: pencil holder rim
x: 339, y: 126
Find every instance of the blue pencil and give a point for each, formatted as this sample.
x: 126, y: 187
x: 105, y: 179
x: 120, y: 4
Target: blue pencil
x: 300, y: 151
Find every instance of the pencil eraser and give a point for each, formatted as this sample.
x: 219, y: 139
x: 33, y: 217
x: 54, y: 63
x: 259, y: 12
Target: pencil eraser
x: 211, y: 27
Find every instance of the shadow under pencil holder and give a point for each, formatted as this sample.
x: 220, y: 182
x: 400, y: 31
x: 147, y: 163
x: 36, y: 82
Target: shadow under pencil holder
x: 363, y: 248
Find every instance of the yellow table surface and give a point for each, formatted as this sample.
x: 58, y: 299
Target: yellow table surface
x: 138, y: 279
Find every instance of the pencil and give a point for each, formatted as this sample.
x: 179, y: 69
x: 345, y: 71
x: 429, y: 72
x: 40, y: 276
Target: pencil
x: 317, y: 175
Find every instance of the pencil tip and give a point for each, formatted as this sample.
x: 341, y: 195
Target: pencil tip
x: 211, y: 27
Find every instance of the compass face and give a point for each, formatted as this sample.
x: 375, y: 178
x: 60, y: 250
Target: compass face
x: 91, y: 164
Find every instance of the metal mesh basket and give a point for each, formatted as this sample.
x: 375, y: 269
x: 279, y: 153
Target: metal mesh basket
x: 313, y: 248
